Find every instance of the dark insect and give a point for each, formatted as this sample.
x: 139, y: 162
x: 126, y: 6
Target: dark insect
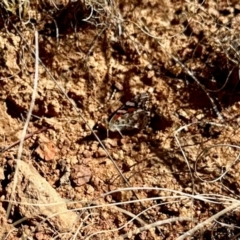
x: 131, y: 115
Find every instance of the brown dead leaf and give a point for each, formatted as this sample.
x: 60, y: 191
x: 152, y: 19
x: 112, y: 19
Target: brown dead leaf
x: 46, y: 149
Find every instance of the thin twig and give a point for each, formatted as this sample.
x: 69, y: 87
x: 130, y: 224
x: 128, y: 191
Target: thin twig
x: 25, y: 138
x: 208, y: 221
x: 20, y: 149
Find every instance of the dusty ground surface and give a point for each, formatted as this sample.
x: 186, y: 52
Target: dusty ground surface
x: 90, y: 51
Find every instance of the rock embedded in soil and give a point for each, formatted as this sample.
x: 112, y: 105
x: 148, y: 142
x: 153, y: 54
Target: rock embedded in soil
x: 81, y: 175
x: 33, y: 188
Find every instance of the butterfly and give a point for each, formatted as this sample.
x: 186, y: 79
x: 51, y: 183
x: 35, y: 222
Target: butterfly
x: 133, y: 114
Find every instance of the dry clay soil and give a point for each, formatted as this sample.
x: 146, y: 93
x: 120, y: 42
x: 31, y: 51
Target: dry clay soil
x: 126, y: 49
